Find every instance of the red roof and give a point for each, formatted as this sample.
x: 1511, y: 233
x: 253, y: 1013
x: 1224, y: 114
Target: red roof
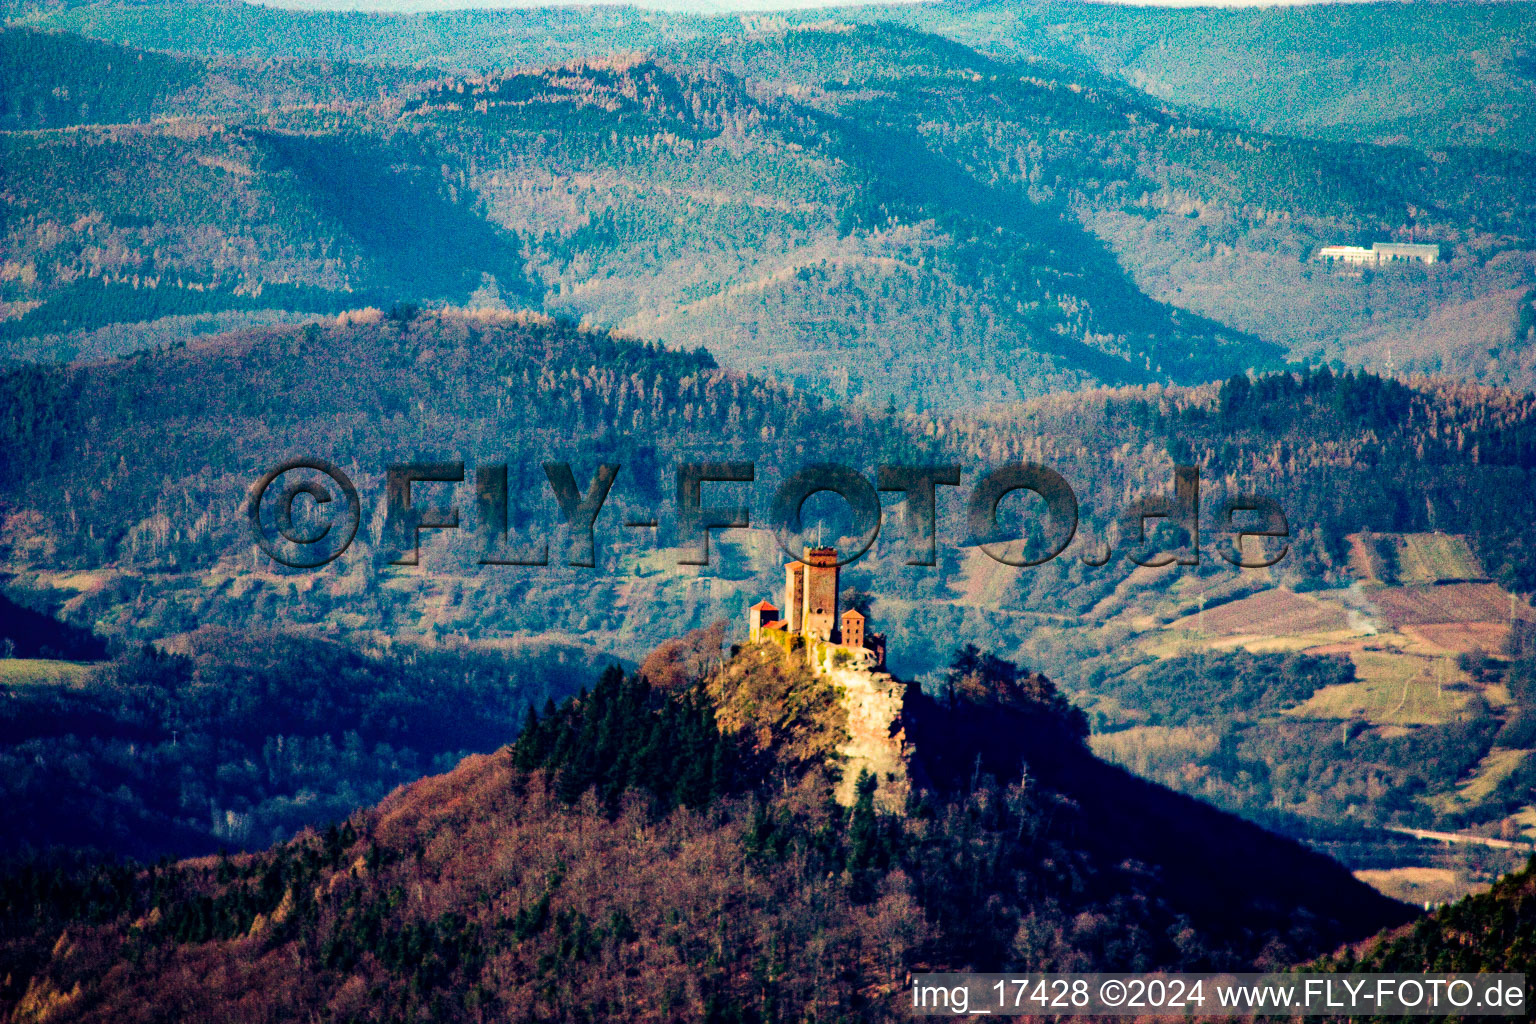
x: 853, y: 613
x: 764, y: 606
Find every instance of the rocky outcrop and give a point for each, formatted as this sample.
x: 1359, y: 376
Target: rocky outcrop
x: 875, y: 703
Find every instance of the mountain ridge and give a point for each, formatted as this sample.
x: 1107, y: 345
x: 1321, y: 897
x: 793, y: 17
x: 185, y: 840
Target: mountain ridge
x: 941, y: 222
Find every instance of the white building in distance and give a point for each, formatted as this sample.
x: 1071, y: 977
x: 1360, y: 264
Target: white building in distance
x: 1379, y: 252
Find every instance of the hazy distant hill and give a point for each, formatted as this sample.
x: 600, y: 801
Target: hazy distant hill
x: 783, y: 235
x: 870, y: 212
x: 57, y: 80
x: 1206, y: 219
x: 1418, y: 74
x: 706, y: 214
x: 463, y: 40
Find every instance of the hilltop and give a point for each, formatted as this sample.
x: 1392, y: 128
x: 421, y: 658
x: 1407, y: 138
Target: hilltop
x: 677, y: 854
x: 1448, y: 74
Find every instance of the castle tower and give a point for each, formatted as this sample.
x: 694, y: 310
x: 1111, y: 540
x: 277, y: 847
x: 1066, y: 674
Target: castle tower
x: 794, y: 596
x: 853, y: 628
x: 820, y: 607
x: 758, y: 616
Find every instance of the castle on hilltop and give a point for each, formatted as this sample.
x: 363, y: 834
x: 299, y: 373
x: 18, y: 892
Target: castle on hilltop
x: 810, y: 613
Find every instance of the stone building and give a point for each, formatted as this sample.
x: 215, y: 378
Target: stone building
x: 853, y: 628
x: 810, y: 612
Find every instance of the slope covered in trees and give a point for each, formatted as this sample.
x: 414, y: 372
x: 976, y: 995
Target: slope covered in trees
x: 451, y: 40
x: 868, y: 211
x: 59, y: 80
x: 53, y: 80
x: 1457, y: 74
x: 1206, y: 219
x: 174, y: 430
x: 521, y: 884
x: 1454, y: 74
x: 1487, y: 933
x: 239, y: 740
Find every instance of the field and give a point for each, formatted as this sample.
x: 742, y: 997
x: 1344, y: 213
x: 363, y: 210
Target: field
x: 1437, y: 558
x: 1451, y: 602
x: 41, y: 672
x: 1277, y: 612
x: 1391, y: 689
x: 1414, y: 558
x: 1459, y: 637
x: 1499, y: 765
x: 1422, y: 885
x: 1403, y: 639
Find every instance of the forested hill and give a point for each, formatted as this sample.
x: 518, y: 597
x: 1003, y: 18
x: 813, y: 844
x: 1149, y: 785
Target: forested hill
x: 369, y: 389
x: 148, y: 459
x: 1447, y: 74
x: 123, y: 488
x: 633, y: 857
x: 866, y: 211
x: 479, y: 40
x: 1444, y: 74
x: 57, y: 80
x: 53, y: 80
x: 237, y: 740
x: 716, y: 215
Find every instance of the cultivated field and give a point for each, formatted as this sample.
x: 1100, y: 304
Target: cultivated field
x: 1410, y: 558
x: 1423, y: 886
x: 1451, y: 602
x: 1277, y: 612
x: 1460, y: 637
